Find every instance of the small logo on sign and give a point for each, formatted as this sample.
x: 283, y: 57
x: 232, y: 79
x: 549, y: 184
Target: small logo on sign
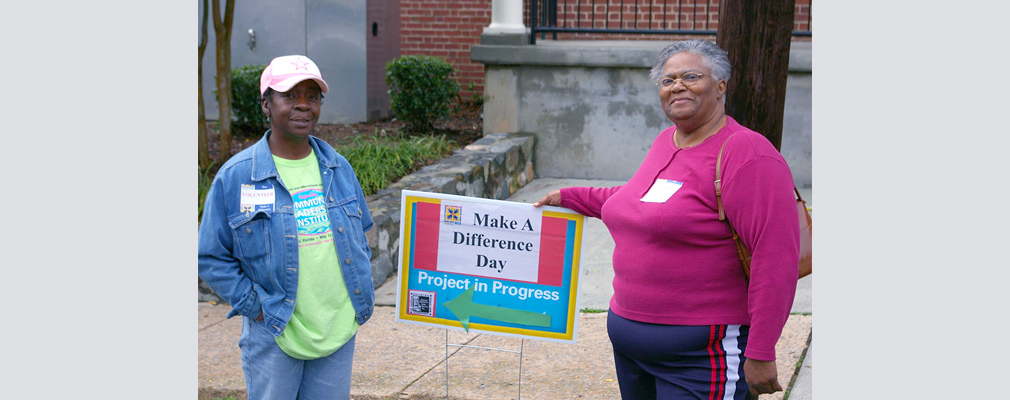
x: 453, y: 215
x: 421, y: 303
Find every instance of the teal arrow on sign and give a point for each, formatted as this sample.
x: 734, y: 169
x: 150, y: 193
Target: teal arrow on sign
x: 464, y: 308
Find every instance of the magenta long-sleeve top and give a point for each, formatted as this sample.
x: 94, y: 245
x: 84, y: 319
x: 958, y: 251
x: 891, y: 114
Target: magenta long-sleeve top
x: 675, y: 262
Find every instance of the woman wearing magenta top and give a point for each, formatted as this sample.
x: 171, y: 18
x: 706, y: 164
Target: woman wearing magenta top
x: 684, y: 321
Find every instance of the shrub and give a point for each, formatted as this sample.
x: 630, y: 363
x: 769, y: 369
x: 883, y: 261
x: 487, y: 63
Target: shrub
x: 421, y: 90
x: 247, y: 115
x: 477, y: 99
x: 245, y: 101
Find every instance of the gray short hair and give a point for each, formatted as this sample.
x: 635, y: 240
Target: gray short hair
x: 712, y: 56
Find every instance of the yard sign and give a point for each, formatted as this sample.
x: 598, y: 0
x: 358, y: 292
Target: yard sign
x: 492, y: 266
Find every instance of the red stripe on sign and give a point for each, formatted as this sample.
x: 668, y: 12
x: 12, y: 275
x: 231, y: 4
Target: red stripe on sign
x: 426, y: 223
x: 553, y: 239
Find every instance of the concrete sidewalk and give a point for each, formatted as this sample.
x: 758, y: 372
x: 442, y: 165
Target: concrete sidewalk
x: 407, y: 361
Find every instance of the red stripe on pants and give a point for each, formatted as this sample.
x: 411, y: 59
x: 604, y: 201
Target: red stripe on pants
x: 717, y: 356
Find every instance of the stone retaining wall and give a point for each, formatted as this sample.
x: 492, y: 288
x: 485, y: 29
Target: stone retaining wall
x: 493, y: 167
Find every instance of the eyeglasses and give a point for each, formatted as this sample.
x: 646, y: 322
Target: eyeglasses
x: 688, y: 79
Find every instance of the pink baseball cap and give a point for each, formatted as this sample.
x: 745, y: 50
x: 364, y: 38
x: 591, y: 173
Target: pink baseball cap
x: 285, y: 72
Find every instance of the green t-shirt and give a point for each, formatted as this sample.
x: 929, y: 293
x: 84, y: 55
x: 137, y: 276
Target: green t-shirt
x: 323, y: 319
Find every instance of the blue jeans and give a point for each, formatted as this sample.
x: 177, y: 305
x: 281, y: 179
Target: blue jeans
x: 272, y: 374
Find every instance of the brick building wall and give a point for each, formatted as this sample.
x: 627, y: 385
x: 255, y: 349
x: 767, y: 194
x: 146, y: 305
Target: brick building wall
x: 801, y: 14
x: 617, y: 14
x: 646, y: 14
x: 447, y: 29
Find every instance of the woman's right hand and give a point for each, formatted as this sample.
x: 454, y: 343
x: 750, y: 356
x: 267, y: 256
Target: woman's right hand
x: 551, y: 199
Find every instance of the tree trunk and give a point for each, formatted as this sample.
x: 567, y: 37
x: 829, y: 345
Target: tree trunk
x: 222, y: 32
x: 757, y: 35
x: 203, y: 151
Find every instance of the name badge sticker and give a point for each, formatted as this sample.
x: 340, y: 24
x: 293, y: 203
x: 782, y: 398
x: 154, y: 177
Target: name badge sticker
x: 257, y: 197
x: 661, y: 191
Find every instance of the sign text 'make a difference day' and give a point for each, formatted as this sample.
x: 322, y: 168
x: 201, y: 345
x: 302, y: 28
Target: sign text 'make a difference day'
x: 480, y: 240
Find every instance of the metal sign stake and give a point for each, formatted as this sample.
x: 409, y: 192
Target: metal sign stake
x: 522, y: 345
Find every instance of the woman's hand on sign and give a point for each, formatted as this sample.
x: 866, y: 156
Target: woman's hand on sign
x: 551, y: 199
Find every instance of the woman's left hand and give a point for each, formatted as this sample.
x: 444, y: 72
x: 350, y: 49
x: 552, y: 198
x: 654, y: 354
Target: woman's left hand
x: 762, y: 376
x: 553, y: 198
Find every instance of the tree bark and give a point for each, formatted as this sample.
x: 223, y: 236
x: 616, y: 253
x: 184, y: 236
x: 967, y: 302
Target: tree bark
x: 757, y: 35
x: 203, y: 151
x: 222, y: 32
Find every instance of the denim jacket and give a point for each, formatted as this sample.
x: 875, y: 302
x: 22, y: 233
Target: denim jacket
x: 250, y: 258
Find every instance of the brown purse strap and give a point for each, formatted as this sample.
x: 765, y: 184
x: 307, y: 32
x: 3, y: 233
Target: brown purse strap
x: 718, y: 183
x: 741, y: 250
x: 718, y: 187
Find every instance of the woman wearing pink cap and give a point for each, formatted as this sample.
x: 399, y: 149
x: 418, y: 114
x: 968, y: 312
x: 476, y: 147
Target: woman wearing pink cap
x: 282, y: 240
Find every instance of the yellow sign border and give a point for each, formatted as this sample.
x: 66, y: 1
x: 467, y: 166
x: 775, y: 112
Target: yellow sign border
x: 406, y: 232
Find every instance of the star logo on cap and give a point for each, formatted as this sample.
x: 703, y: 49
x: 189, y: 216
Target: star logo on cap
x: 300, y: 64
